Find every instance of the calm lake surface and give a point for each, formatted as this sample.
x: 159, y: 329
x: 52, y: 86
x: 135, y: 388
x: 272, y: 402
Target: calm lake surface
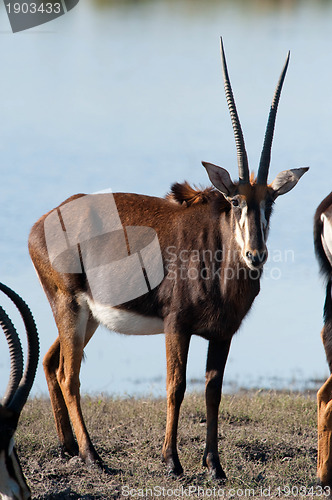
x: 129, y: 96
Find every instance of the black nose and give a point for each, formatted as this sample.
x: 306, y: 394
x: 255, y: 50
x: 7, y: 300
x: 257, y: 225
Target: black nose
x: 256, y: 258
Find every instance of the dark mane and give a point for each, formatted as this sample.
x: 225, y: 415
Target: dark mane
x: 187, y: 195
x: 325, y: 266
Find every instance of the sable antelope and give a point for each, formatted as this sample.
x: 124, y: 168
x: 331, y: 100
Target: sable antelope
x: 12, y: 482
x: 212, y: 245
x: 323, y: 248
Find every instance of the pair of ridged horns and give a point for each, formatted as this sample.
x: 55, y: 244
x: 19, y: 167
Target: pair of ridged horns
x: 242, y: 158
x: 20, y: 383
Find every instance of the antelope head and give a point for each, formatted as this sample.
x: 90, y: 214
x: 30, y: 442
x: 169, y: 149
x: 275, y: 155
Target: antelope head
x: 251, y: 200
x: 13, y: 485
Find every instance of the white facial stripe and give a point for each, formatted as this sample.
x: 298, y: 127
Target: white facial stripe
x: 243, y: 216
x: 238, y: 234
x: 242, y: 227
x: 242, y: 231
x: 25, y: 491
x: 246, y: 228
x: 12, y: 487
x: 263, y: 220
x: 327, y: 235
x: 4, y: 477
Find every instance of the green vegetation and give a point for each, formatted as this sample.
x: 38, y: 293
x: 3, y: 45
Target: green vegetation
x: 267, y: 441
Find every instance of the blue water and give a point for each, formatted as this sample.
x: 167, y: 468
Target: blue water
x: 130, y: 97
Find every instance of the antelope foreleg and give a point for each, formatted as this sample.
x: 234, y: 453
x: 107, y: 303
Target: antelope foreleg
x: 217, y: 356
x: 176, y: 355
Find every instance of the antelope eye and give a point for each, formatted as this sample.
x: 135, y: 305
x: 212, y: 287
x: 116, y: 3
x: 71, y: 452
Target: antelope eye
x: 235, y: 202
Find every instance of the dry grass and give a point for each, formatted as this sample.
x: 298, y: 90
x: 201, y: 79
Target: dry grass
x: 267, y: 441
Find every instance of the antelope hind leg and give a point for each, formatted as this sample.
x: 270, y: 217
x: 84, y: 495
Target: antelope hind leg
x: 60, y: 412
x: 324, y: 458
x: 75, y: 327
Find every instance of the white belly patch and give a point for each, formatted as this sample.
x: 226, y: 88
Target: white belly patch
x: 126, y: 322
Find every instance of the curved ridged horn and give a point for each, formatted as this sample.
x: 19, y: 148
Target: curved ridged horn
x: 242, y: 158
x: 264, y: 163
x: 21, y: 395
x: 16, y: 356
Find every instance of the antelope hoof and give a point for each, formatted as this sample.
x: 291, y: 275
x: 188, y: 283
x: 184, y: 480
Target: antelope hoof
x: 214, y: 467
x: 68, y: 451
x: 91, y: 457
x: 324, y: 459
x: 174, y: 467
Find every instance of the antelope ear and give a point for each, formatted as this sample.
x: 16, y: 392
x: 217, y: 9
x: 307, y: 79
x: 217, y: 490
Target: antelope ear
x: 286, y: 180
x: 220, y: 178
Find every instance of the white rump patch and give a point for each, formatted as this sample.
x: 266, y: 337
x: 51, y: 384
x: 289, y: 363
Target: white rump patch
x: 127, y: 322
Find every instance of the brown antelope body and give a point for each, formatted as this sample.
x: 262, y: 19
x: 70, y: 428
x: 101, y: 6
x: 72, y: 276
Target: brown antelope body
x: 323, y: 247
x: 201, y: 255
x: 13, y: 485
